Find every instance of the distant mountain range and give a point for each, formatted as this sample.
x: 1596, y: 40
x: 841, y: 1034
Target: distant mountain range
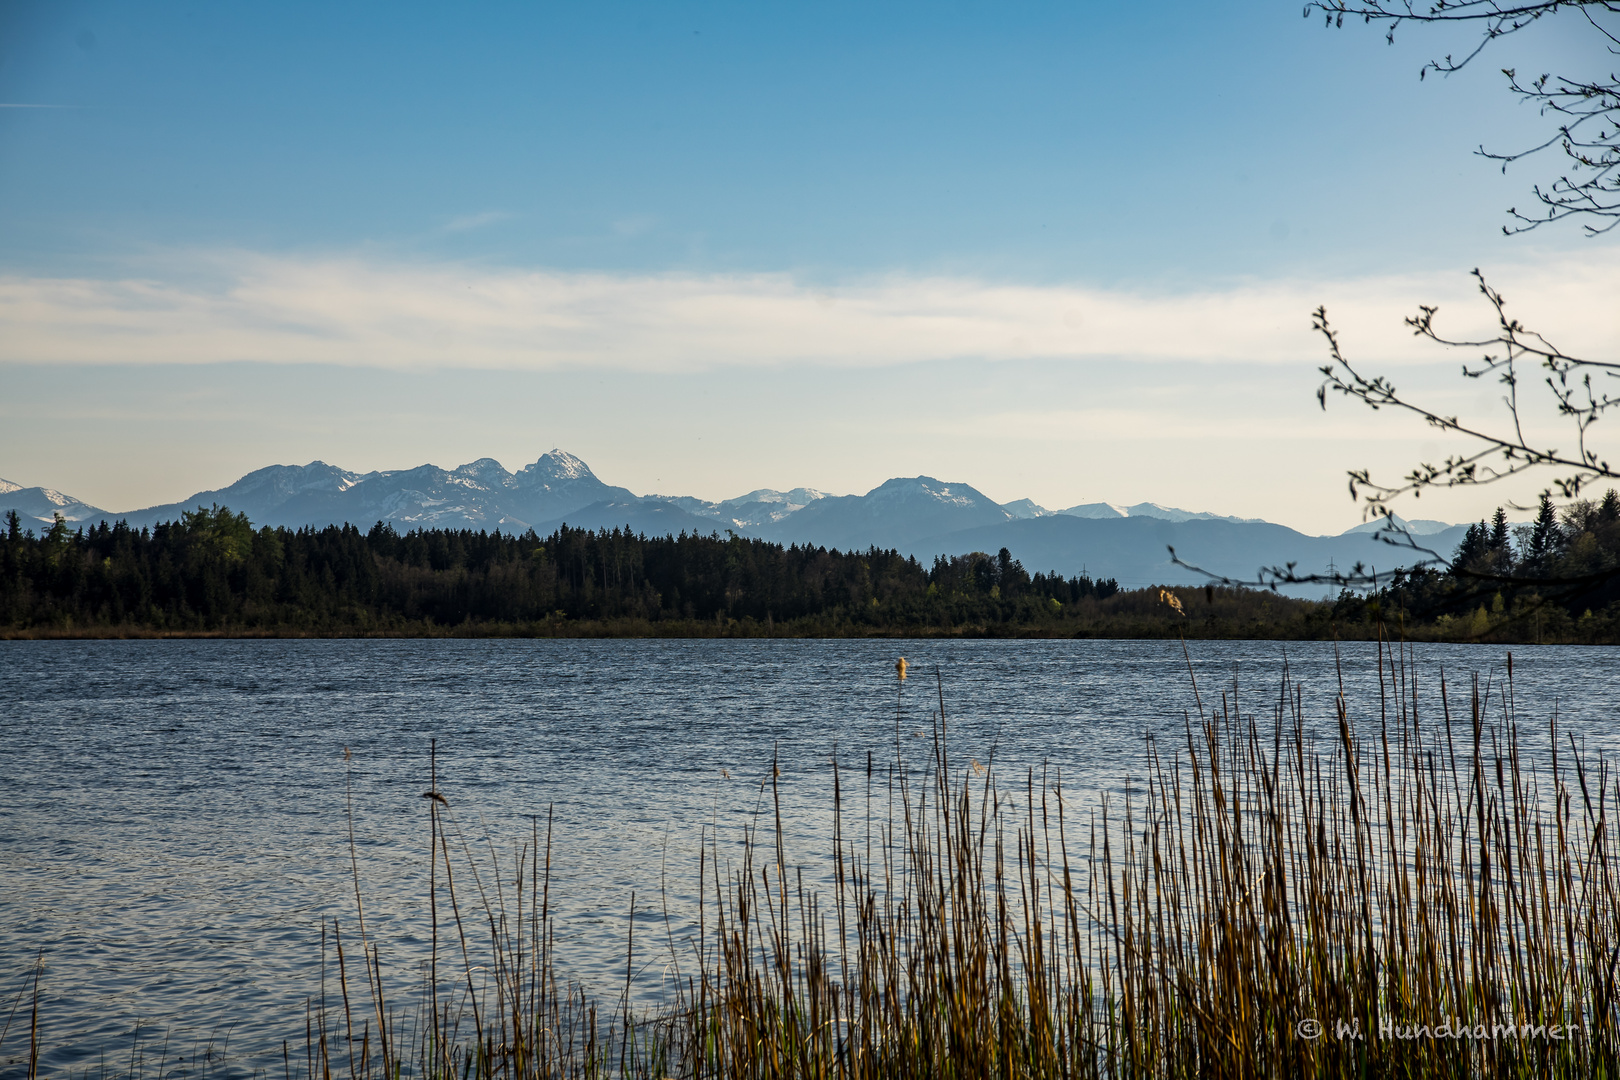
x: 918, y: 515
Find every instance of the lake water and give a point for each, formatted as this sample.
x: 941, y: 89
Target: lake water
x: 174, y: 824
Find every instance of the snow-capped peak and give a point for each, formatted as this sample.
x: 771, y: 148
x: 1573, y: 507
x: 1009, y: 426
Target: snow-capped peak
x: 318, y: 476
x: 915, y: 487
x: 1026, y: 508
x: 797, y: 497
x: 556, y: 465
x: 1147, y: 510
x: 1095, y: 510
x: 485, y: 472
x: 1395, y: 523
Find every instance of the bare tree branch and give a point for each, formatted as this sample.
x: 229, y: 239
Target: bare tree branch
x: 1497, y: 453
x: 1360, y: 576
x: 1586, y: 109
x: 1548, y: 565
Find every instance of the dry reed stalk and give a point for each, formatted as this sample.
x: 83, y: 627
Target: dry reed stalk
x: 1376, y: 881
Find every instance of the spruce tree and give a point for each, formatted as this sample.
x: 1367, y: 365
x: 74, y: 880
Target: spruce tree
x: 1499, y: 532
x: 1472, y: 547
x: 1609, y: 509
x: 1544, y: 537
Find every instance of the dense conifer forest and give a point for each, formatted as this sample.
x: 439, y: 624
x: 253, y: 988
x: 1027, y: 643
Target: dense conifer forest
x: 213, y: 574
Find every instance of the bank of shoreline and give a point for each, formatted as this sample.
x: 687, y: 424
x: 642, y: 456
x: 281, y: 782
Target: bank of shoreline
x: 751, y: 630
x: 214, y: 575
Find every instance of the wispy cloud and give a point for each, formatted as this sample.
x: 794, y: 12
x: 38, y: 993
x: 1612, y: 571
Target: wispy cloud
x: 468, y: 222
x: 1116, y: 424
x: 636, y: 225
x: 353, y: 311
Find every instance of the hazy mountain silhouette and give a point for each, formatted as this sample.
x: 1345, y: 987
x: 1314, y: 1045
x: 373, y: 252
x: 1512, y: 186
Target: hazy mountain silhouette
x: 918, y: 515
x: 1134, y: 551
x: 893, y: 514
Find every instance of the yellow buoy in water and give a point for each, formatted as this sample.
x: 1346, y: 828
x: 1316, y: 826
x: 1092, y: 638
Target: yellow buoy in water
x: 900, y: 669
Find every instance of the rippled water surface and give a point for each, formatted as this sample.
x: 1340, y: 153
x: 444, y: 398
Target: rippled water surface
x: 174, y: 824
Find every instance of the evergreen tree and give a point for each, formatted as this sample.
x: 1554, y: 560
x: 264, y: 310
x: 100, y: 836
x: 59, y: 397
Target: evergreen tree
x: 1544, y: 537
x: 212, y: 572
x: 1474, y: 546
x: 1499, y: 534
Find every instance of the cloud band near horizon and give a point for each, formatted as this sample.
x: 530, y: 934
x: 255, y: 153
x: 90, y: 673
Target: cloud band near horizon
x: 227, y: 307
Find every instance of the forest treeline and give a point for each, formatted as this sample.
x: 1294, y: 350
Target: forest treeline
x: 214, y: 573
x: 1554, y: 579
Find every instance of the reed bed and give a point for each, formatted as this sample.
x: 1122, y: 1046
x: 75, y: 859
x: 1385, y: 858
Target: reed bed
x: 1404, y: 896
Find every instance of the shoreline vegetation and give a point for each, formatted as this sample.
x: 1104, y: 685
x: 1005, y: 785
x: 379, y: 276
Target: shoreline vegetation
x: 1395, y: 896
x: 214, y: 575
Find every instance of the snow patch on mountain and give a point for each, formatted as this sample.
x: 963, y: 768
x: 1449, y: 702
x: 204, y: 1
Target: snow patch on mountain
x: 1104, y: 510
x: 1420, y: 527
x: 41, y: 505
x: 926, y: 489
x: 1024, y: 509
x: 796, y: 498
x: 555, y: 466
x: 1171, y: 513
x: 762, y: 506
x: 1097, y: 511
x: 765, y: 505
x: 483, y: 494
x: 486, y: 473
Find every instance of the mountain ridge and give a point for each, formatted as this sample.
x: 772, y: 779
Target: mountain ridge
x: 920, y: 515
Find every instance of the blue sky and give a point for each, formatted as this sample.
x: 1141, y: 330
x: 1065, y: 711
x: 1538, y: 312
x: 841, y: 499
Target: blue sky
x: 715, y: 247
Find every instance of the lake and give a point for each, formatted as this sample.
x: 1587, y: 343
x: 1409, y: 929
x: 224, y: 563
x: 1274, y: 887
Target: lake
x: 175, y: 815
